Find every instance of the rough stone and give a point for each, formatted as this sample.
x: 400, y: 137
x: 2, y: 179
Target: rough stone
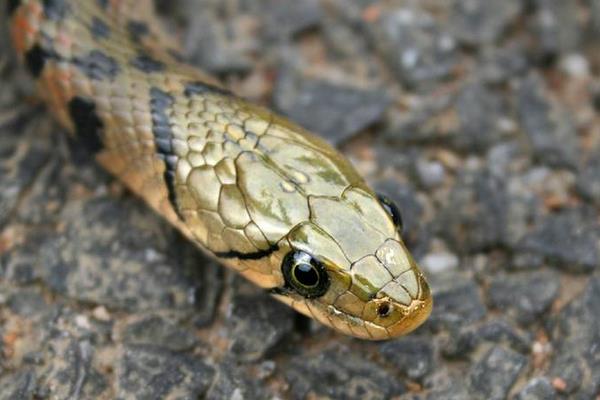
x: 528, y: 295
x: 499, y: 65
x: 464, y: 341
x: 569, y: 240
x: 147, y: 372
x: 19, y: 386
x: 333, y: 111
x: 457, y: 302
x: 576, y: 337
x: 556, y: 27
x: 158, y: 331
x: 19, y: 168
x: 549, y: 130
x: 27, y: 303
x: 132, y: 260
x: 475, y: 215
x: 494, y: 374
x: 588, y: 183
x: 210, y: 43
x: 537, y: 389
x: 70, y: 362
x: 595, y: 10
x: 231, y: 383
x: 412, y: 357
x: 284, y: 20
x: 477, y: 22
x: 258, y: 325
x: 480, y: 111
x: 418, y: 49
x: 348, y: 375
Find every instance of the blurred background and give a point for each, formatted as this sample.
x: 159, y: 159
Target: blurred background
x: 480, y: 118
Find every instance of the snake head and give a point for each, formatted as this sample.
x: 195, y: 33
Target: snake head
x: 348, y: 268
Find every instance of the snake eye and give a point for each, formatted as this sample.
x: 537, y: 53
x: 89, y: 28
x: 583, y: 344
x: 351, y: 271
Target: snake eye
x: 305, y: 274
x: 391, y: 209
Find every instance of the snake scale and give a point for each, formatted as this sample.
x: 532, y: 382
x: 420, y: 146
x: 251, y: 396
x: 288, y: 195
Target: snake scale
x: 261, y: 194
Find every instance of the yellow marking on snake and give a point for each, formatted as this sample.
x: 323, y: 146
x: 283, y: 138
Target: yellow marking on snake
x: 263, y: 195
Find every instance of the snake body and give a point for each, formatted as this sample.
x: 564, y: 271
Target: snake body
x: 259, y: 193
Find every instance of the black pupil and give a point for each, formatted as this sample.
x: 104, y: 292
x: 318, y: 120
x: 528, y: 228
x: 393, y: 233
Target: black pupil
x: 306, y: 274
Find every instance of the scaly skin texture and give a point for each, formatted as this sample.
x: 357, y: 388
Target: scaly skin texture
x: 246, y: 185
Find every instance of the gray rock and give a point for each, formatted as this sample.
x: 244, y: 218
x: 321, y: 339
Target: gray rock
x: 282, y: 20
x: 528, y: 295
x: 465, y: 341
x: 570, y: 370
x: 569, y: 240
x: 133, y: 261
x: 499, y: 65
x: 418, y: 49
x: 494, y: 374
x: 480, y: 110
x: 19, y: 266
x: 430, y: 173
x: 595, y: 10
x: 348, y: 375
x: 19, y: 386
x: 158, y: 331
x: 576, y: 337
x: 147, y: 372
x: 549, y: 130
x: 214, y: 45
x: 27, y: 303
x: 556, y: 26
x: 412, y: 356
x: 588, y: 182
x: 231, y: 382
x: 468, y: 119
x: 258, y: 324
x: 69, y: 372
x: 333, y: 111
x: 477, y: 22
x: 475, y: 215
x: 457, y: 303
x: 537, y: 389
x: 20, y: 166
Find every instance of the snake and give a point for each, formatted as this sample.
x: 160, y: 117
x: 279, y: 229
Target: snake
x: 249, y: 187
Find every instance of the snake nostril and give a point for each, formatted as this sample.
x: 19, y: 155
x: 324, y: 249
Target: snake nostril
x: 384, y: 309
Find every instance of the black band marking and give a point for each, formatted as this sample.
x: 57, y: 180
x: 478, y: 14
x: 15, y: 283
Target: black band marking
x: 55, y: 9
x: 97, y: 65
x: 248, y: 256
x: 147, y: 64
x: 160, y: 102
x: 137, y: 30
x: 35, y: 60
x: 194, y: 88
x: 99, y: 29
x: 87, y: 123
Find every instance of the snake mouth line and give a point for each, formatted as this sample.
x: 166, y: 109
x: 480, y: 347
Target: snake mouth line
x: 247, y: 256
x: 415, y: 314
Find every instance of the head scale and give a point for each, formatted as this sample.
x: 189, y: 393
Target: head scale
x: 348, y: 268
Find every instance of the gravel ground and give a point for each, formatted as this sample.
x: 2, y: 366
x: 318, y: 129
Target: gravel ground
x: 479, y: 117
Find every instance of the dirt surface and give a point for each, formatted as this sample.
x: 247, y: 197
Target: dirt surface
x: 480, y: 118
